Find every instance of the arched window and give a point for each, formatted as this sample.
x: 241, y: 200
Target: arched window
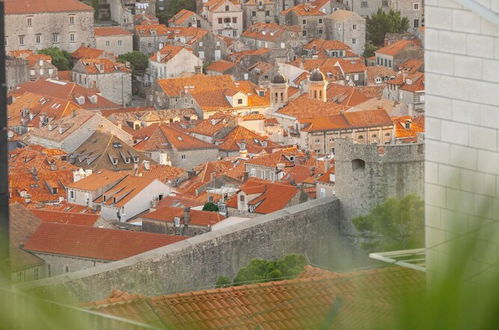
x: 315, y: 94
x: 358, y: 165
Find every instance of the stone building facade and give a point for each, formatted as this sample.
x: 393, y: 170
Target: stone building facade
x: 115, y: 40
x: 462, y: 126
x: 259, y: 11
x: 349, y: 28
x: 71, y: 24
x: 16, y: 72
x: 225, y: 17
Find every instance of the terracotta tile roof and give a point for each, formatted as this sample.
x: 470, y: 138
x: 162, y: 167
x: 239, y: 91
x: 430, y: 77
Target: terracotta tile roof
x: 178, y: 201
x: 71, y: 218
x: 304, y: 107
x: 167, y: 53
x: 86, y: 98
x: 414, y: 83
x: 98, y: 180
x: 197, y: 218
x: 213, y: 125
x: 260, y: 68
x: 106, y: 151
x: 326, y: 65
x: 94, y: 243
x: 163, y: 173
x: 326, y: 177
x: 38, y: 107
x: 65, y: 75
x: 213, y: 5
x: 411, y: 65
x: 120, y: 194
x: 22, y: 225
x: 220, y: 66
x: 99, y: 66
x: 304, y: 9
x: 268, y: 31
x: 195, y: 83
x: 302, y: 303
x: 345, y: 95
x: 280, y: 156
x: 351, y: 65
x: 397, y: 47
x: 187, y: 35
x: 180, y: 17
x: 272, y: 196
x: 111, y: 31
x: 161, y: 137
x: 242, y: 138
x: 208, y: 169
x: 87, y: 52
x: 371, y: 91
x: 15, y: 7
x: 349, y: 120
x: 379, y: 71
x: 342, y: 15
x: 146, y: 30
x: 321, y: 45
x: 31, y: 57
x: 407, y: 127
x: 253, y: 116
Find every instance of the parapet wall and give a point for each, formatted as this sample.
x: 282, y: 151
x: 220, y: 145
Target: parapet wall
x: 310, y: 228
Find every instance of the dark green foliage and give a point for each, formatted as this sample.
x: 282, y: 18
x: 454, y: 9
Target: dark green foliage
x: 174, y: 7
x: 381, y: 23
x: 60, y: 58
x: 260, y: 270
x: 222, y: 282
x: 95, y: 5
x: 369, y: 50
x: 138, y: 60
x: 212, y: 207
x: 396, y: 224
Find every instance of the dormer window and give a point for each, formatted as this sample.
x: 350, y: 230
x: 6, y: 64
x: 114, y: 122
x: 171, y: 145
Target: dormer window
x: 226, y: 8
x: 239, y: 101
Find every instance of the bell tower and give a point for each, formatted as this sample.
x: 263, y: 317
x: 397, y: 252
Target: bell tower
x: 278, y: 92
x: 317, y: 86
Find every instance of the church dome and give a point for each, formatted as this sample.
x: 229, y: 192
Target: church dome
x: 278, y: 79
x: 316, y: 75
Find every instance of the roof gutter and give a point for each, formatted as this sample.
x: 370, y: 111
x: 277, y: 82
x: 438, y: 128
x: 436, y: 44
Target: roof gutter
x: 480, y: 10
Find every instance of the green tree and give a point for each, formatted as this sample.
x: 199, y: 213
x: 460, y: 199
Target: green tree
x: 222, y: 282
x: 212, y: 207
x: 260, y: 270
x: 174, y: 7
x: 396, y: 224
x: 369, y: 50
x: 60, y: 58
x: 381, y: 23
x: 138, y: 61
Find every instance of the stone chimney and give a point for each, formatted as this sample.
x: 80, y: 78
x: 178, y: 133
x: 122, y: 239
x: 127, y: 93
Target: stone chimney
x: 187, y: 215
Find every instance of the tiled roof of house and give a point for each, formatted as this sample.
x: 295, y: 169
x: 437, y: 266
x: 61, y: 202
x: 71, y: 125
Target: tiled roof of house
x: 221, y: 66
x: 22, y: 225
x: 147, y: 30
x: 407, y: 128
x: 106, y: 31
x: 30, y: 56
x: 86, y: 98
x: 351, y: 65
x: 120, y: 194
x: 379, y: 71
x: 213, y: 5
x: 322, y: 45
x: 195, y: 83
x: 397, y: 47
x: 350, y: 120
x: 283, y: 156
x: 64, y: 75
x: 106, y: 151
x: 414, y: 83
x: 197, y: 218
x: 239, y: 56
x: 411, y: 65
x: 187, y: 35
x: 178, y: 201
x: 268, y: 31
x: 98, y: 180
x: 16, y: 7
x: 36, y: 176
x: 326, y: 177
x: 304, y: 9
x: 345, y: 95
x: 242, y: 138
x: 163, y: 173
x: 87, y: 52
x: 213, y: 125
x: 342, y: 15
x: 161, y: 137
x: 99, y: 66
x: 167, y: 53
x: 94, y: 243
x: 180, y: 17
x: 305, y: 107
x: 72, y: 218
x: 326, y: 65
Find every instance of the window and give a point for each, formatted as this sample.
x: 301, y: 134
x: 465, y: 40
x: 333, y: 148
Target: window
x: 267, y: 13
x: 354, y: 27
x: 183, y: 156
x: 416, y: 6
x: 356, y: 77
x: 71, y: 20
x: 71, y: 194
x: 120, y: 42
x: 66, y: 269
x: 239, y: 101
x: 220, y: 20
x: 241, y: 198
x: 320, y: 20
x: 304, y: 21
x: 384, y: 3
x: 363, y: 4
x: 387, y: 134
x: 32, y: 72
x: 200, y: 44
x: 320, y: 31
x: 29, y: 21
x: 253, y: 13
x: 72, y: 37
x: 361, y: 137
x: 55, y: 38
x: 234, y: 33
x: 21, y: 40
x: 108, y: 43
x: 234, y: 19
x: 354, y: 41
x: 227, y: 20
x: 358, y: 165
x: 416, y: 23
x: 38, y: 38
x: 304, y: 33
x: 226, y: 8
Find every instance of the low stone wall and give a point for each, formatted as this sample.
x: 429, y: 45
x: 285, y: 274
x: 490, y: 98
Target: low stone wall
x: 310, y: 228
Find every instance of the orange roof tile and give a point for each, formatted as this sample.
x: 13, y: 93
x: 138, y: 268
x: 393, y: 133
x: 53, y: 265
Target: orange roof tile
x: 397, y: 47
x: 197, y: 218
x: 167, y: 53
x: 220, y: 66
x: 160, y: 137
x: 304, y: 107
x: 83, y: 219
x: 87, y: 52
x: 195, y: 83
x: 268, y: 31
x: 345, y: 95
x: 349, y: 120
x: 15, y: 7
x: 407, y: 127
x: 101, y: 66
x: 98, y: 180
x: 242, y: 138
x: 181, y: 16
x: 94, y: 243
x: 304, y: 9
x: 111, y: 31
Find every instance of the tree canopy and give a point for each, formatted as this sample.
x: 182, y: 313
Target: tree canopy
x: 174, y: 6
x: 212, y: 207
x: 381, y: 23
x: 396, y: 224
x: 60, y: 58
x: 138, y: 60
x: 260, y: 270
